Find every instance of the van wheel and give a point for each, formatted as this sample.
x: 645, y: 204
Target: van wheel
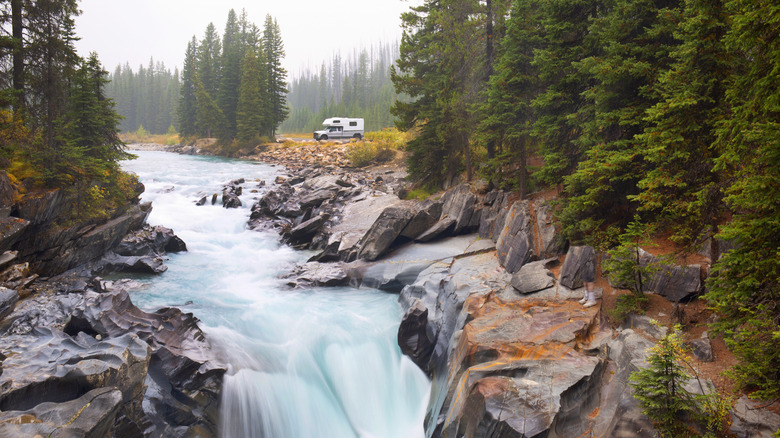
x: 357, y: 136
x: 323, y: 137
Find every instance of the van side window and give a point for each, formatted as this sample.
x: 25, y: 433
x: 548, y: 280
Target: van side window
x: 336, y: 121
x: 352, y: 123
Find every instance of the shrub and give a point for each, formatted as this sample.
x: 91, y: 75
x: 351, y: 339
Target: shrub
x: 660, y: 390
x: 659, y: 387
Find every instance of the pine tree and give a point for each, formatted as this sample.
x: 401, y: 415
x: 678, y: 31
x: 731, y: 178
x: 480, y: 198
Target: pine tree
x: 745, y: 285
x: 680, y: 189
x: 208, y: 60
x: 209, y: 120
x: 232, y: 53
x: 566, y: 42
x: 659, y: 387
x: 251, y: 108
x: 638, y: 37
x: 508, y: 115
x: 187, y: 100
x: 273, y: 51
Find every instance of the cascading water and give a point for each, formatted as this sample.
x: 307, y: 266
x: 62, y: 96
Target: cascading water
x: 311, y: 363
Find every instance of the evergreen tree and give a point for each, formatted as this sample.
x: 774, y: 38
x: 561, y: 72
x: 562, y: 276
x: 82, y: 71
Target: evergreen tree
x: 232, y: 54
x: 638, y: 37
x: 209, y: 120
x: 438, y: 67
x: 680, y: 188
x: 273, y: 51
x: 566, y: 42
x: 208, y: 60
x: 187, y: 99
x: 508, y: 115
x: 250, y: 114
x: 745, y: 285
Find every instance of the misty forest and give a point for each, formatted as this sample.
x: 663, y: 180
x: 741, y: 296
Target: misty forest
x: 648, y: 132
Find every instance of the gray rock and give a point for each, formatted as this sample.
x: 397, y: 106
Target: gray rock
x: 676, y: 283
x: 515, y: 242
x: 459, y: 204
x: 619, y: 412
x: 552, y: 244
x: 69, y: 367
x: 7, y: 258
x: 415, y: 335
x: 441, y: 229
x: 11, y: 231
x: 749, y: 421
x: 90, y: 416
x: 492, y: 218
x: 702, y: 348
x: 306, y: 230
x: 646, y: 324
x: 112, y: 262
x: 427, y: 214
x: 383, y: 233
x: 315, y: 274
x: 533, y: 277
x: 8, y: 300
x: 578, y: 260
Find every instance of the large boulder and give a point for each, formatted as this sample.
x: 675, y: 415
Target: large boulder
x: 619, y: 413
x: 533, y: 277
x: 676, y: 283
x: 515, y: 241
x: 51, y: 366
x: 90, y: 416
x: 578, y: 260
x: 496, y: 206
x: 460, y: 205
x: 552, y: 243
x: 385, y: 230
x: 8, y: 300
x: 750, y: 421
x: 426, y: 215
x: 518, y: 369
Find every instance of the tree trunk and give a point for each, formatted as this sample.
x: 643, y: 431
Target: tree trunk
x: 18, y: 53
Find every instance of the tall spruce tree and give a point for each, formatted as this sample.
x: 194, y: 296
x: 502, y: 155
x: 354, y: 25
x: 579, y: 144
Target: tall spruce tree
x: 567, y: 41
x: 508, y: 115
x: 680, y: 188
x: 637, y: 38
x: 273, y: 51
x: 250, y: 114
x: 233, y: 48
x: 187, y: 100
x: 745, y: 285
x: 208, y: 63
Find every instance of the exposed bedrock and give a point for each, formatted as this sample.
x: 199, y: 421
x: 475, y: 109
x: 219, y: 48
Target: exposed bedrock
x: 57, y: 348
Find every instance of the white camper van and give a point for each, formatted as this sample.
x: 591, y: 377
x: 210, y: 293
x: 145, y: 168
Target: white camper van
x: 340, y: 127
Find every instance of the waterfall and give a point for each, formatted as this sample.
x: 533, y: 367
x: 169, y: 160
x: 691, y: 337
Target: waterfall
x: 302, y: 363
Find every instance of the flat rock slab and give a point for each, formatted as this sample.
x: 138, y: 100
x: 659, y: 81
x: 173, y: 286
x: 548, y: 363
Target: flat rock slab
x: 402, y: 266
x: 69, y: 367
x: 91, y: 415
x: 533, y: 277
x: 516, y: 364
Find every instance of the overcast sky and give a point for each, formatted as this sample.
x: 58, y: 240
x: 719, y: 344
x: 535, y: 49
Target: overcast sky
x: 134, y: 30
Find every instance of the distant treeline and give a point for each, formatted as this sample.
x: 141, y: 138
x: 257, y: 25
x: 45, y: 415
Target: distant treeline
x: 231, y: 86
x: 358, y: 86
x: 148, y: 97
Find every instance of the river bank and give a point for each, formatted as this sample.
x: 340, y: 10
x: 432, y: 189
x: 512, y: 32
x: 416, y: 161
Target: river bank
x: 488, y: 294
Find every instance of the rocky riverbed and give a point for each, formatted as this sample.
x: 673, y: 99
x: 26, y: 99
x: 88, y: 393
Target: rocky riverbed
x: 509, y: 350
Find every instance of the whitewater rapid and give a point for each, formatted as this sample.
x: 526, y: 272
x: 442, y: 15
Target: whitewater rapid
x: 302, y: 363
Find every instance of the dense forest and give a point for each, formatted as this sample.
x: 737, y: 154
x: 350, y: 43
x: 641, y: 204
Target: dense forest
x: 358, y: 86
x: 232, y: 86
x: 659, y: 114
x: 58, y: 128
x: 146, y: 98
